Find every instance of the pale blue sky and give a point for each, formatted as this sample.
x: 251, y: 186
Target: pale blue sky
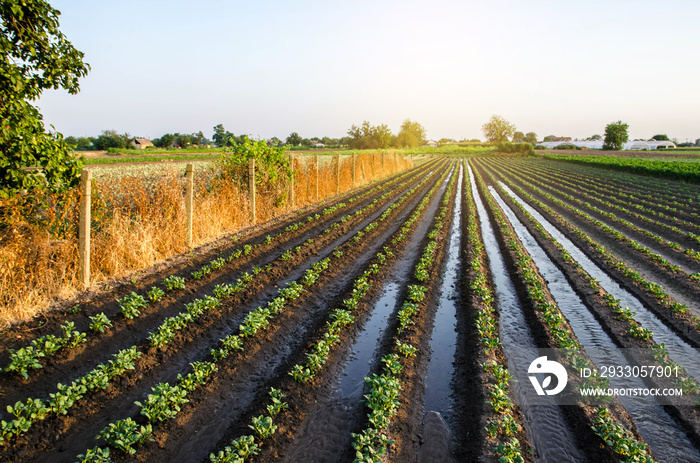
x: 269, y: 68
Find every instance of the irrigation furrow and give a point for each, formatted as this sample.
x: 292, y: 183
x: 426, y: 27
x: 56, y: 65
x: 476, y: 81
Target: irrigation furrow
x: 668, y: 310
x: 658, y: 201
x: 665, y: 437
x: 302, y: 391
x: 241, y: 395
x: 485, y: 425
x: 547, y: 429
x: 687, y: 259
x: 204, y: 341
x: 396, y: 383
x: 653, y: 267
x: 326, y: 433
x: 643, y: 185
x: 554, y: 331
x: 149, y: 313
x: 624, y: 203
x: 285, y: 264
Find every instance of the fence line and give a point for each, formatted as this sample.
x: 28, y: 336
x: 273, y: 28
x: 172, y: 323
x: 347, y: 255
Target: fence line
x: 140, y: 219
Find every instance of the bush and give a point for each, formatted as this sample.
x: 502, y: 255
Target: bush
x: 273, y: 168
x: 567, y: 147
x: 507, y: 147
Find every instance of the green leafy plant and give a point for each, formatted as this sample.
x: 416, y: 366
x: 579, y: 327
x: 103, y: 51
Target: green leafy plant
x: 174, y: 283
x: 155, y: 294
x: 131, y: 305
x: 95, y: 455
x: 164, y: 403
x: 124, y: 434
x: 263, y: 427
x: 100, y: 323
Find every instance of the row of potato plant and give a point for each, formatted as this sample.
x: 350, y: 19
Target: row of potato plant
x: 634, y: 328
x: 131, y: 305
x: 645, y: 187
x: 159, y: 337
x: 504, y: 424
x: 384, y: 389
x: 338, y: 320
x: 602, y: 181
x: 167, y: 399
x: 604, y: 194
x: 653, y: 289
x: 320, y: 351
x: 558, y: 189
x: 34, y: 410
x: 614, y: 437
x: 659, y: 259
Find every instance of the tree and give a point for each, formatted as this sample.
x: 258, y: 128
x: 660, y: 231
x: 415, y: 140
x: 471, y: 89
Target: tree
x: 531, y: 138
x: 410, y: 135
x: 615, y: 135
x: 548, y: 138
x: 220, y: 135
x: 37, y: 56
x: 294, y: 139
x: 518, y: 137
x: 660, y: 138
x: 595, y: 137
x: 111, y: 139
x: 368, y: 136
x: 497, y: 129
x: 165, y: 141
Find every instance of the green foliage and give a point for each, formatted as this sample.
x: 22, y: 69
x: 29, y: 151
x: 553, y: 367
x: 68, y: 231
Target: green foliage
x: 173, y: 283
x: 95, y: 455
x: 368, y: 136
x: 37, y: 56
x: 507, y: 147
x: 621, y: 441
x: 263, y: 427
x: 237, y: 452
x: 615, y: 135
x: 497, y: 129
x: 410, y: 135
x: 272, y: 167
x: 277, y: 405
x: 510, y: 452
x: 155, y: 294
x: 111, y: 139
x: 124, y: 434
x: 689, y: 171
x: 131, y: 305
x: 164, y: 403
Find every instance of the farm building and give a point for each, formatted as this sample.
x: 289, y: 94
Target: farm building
x: 141, y: 143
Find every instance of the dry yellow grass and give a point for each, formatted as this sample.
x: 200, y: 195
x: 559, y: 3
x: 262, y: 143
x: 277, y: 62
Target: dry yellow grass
x: 139, y: 221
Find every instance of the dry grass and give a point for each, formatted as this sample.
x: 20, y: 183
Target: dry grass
x: 138, y: 221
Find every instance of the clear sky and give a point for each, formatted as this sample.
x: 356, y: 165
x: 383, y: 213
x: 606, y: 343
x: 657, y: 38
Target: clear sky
x: 268, y: 68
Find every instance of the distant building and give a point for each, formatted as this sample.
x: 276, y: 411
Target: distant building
x: 141, y: 143
x: 556, y: 139
x: 431, y: 143
x: 318, y: 145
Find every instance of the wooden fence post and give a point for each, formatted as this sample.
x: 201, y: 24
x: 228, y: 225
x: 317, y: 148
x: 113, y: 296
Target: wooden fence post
x: 337, y: 174
x: 251, y: 189
x: 316, y: 156
x: 291, y: 193
x: 189, y: 210
x: 84, y: 227
x: 353, y: 170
